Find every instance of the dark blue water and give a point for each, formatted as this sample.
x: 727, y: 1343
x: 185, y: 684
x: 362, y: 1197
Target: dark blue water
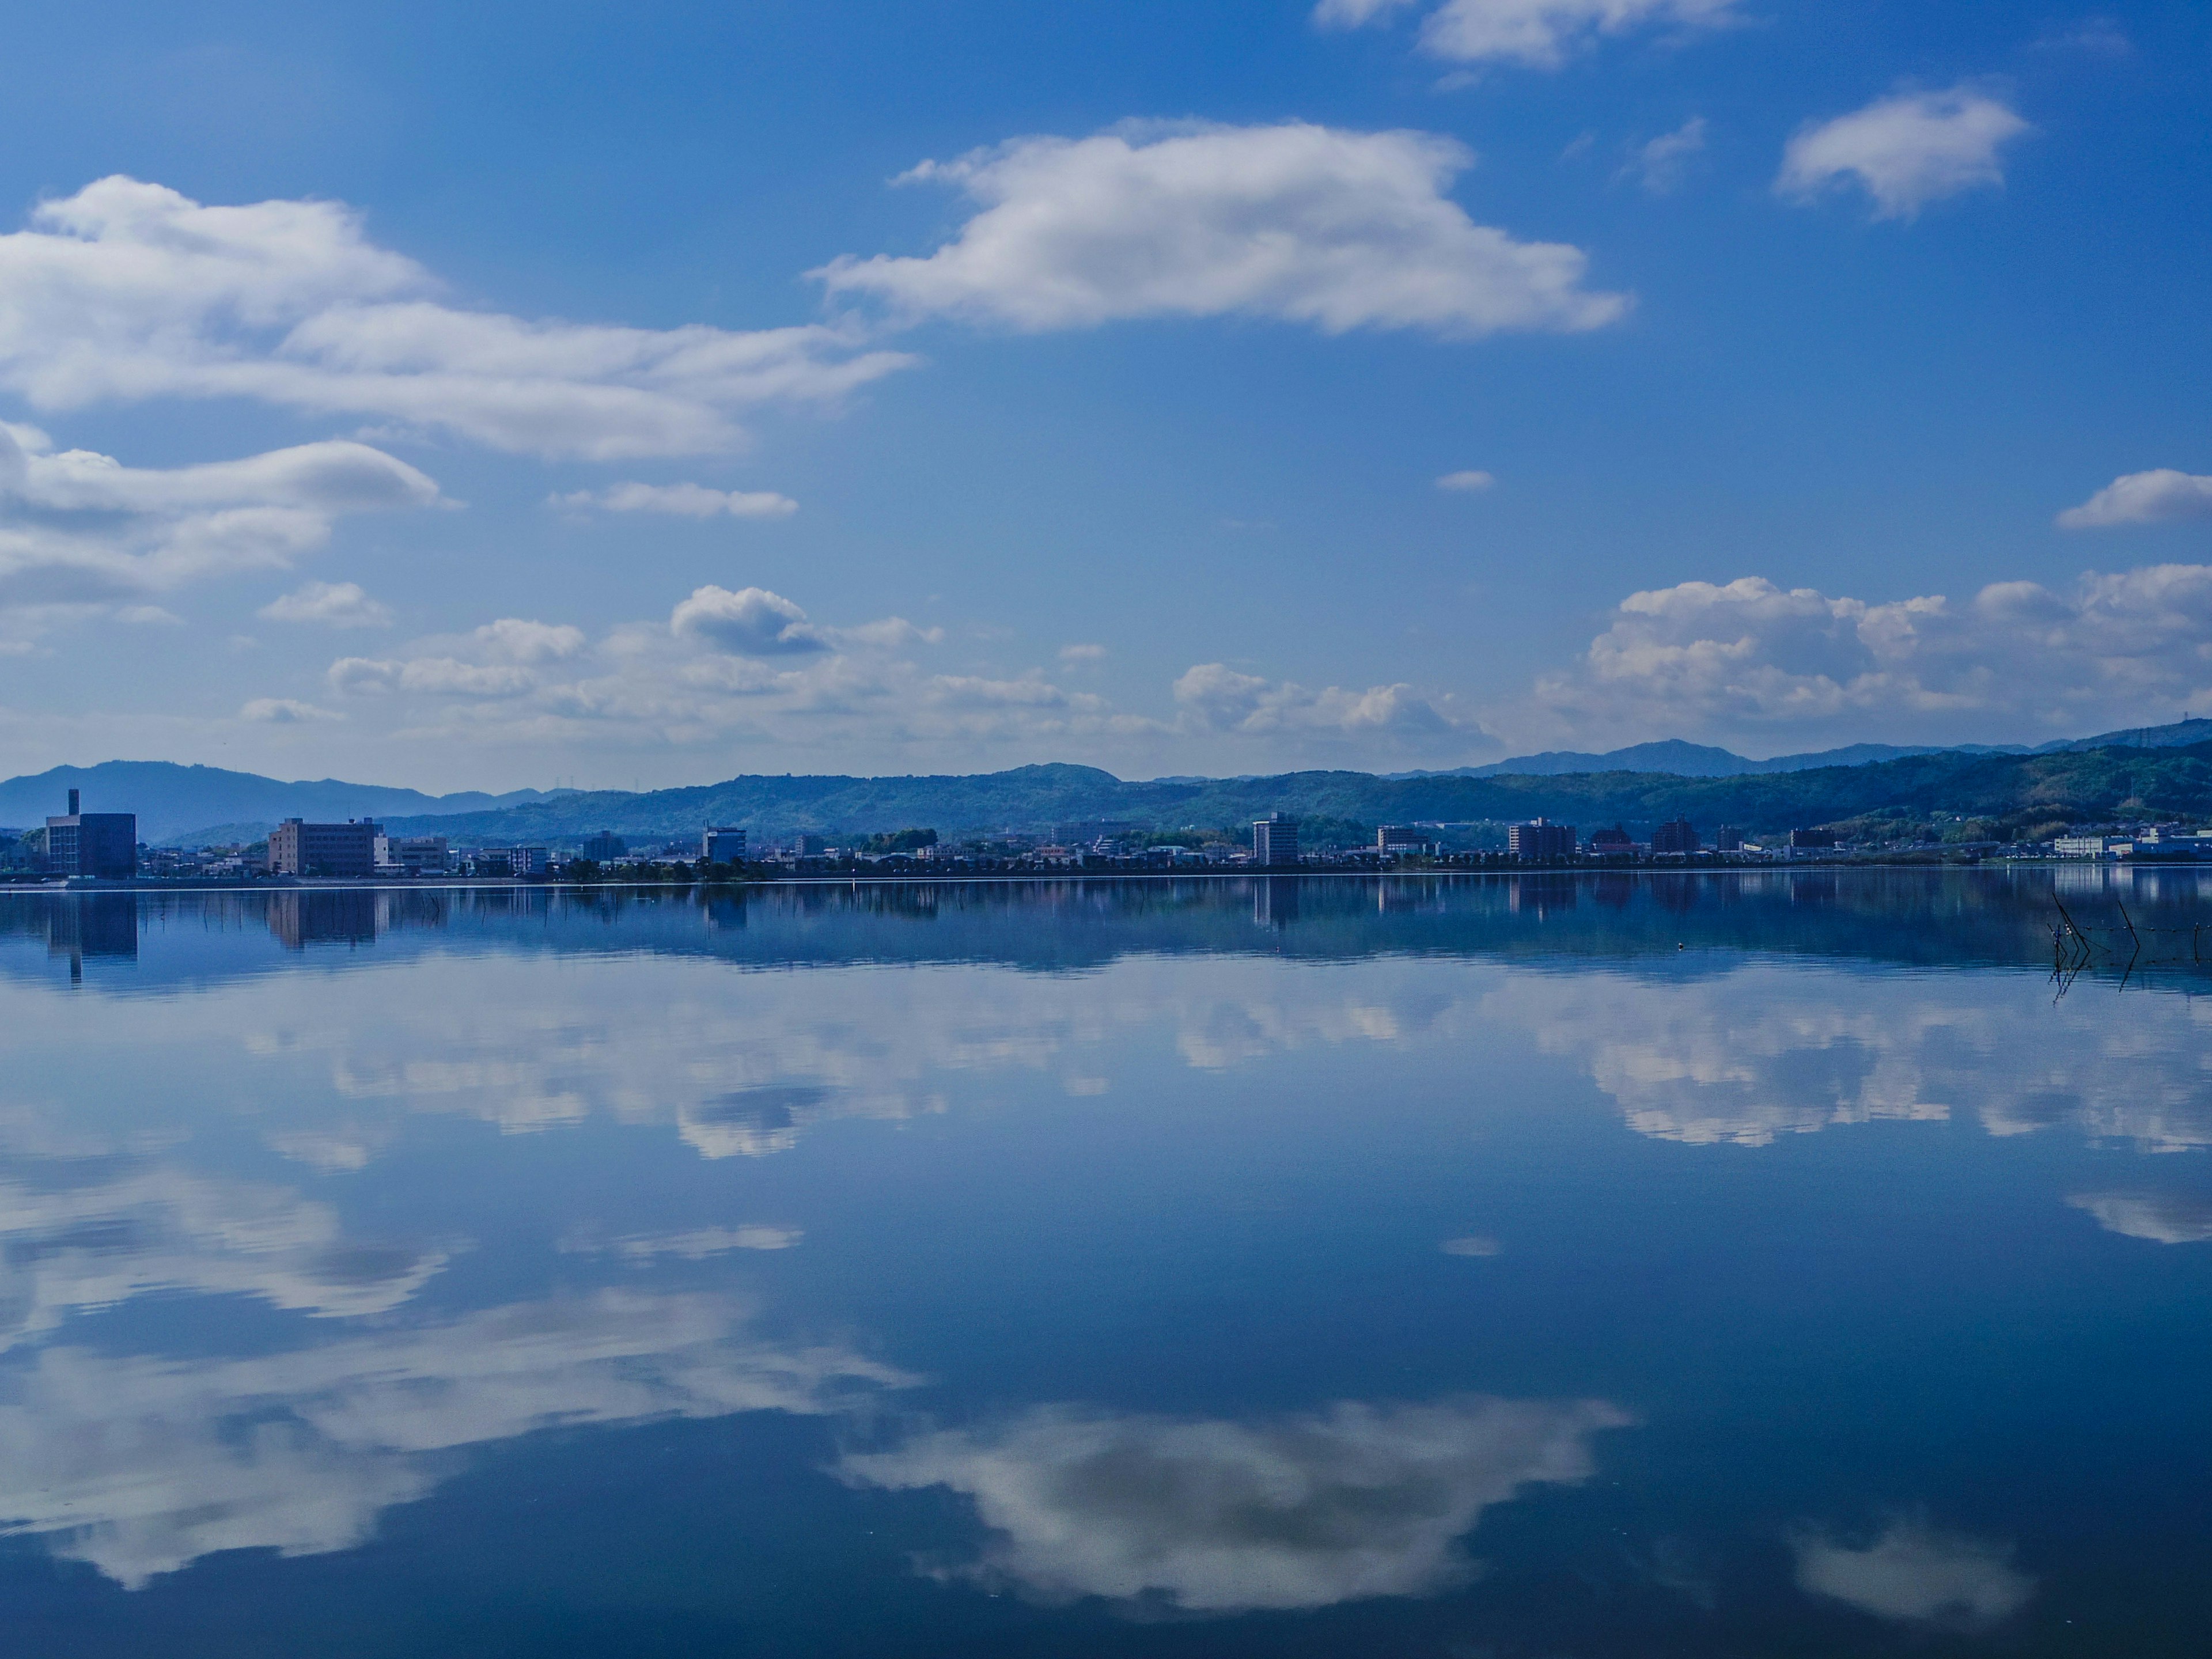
x: 1733, y: 1266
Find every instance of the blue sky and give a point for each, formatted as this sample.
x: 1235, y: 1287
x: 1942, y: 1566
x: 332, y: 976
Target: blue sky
x: 491, y: 396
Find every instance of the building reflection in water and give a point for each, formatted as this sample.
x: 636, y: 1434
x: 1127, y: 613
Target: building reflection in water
x: 331, y: 916
x: 1275, y: 900
x: 81, y: 924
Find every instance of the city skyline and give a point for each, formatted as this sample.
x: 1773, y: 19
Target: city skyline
x: 1387, y: 384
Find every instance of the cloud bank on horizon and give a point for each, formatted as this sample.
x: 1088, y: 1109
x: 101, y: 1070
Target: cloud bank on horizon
x: 1182, y: 482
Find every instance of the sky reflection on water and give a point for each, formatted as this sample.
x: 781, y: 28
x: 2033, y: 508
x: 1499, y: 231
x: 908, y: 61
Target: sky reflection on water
x: 1428, y: 1268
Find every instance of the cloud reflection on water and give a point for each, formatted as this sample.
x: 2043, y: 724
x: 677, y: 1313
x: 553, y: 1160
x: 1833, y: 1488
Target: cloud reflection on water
x: 2162, y: 1218
x: 1915, y: 1573
x: 1221, y: 1517
x: 138, y: 1465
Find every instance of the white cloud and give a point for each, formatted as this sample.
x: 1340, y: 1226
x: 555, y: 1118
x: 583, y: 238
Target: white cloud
x: 1350, y: 14
x: 1907, y: 151
x: 1219, y: 1517
x: 78, y: 528
x: 751, y: 622
x: 127, y: 291
x: 688, y: 501
x: 1215, y: 697
x: 1472, y: 482
x: 336, y: 605
x: 1301, y: 223
x: 1659, y: 165
x: 284, y: 711
x: 2163, y: 1218
x: 1537, y: 33
x: 1082, y: 654
x: 514, y: 639
x: 2162, y: 496
x: 1747, y: 657
x: 1915, y: 1574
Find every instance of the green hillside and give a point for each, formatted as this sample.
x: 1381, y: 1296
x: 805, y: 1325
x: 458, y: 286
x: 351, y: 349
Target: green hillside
x: 2000, y: 793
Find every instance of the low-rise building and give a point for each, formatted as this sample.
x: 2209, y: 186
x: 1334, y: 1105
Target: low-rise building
x: 300, y: 849
x: 1611, y: 842
x: 2082, y: 847
x: 1400, y: 838
x: 412, y: 856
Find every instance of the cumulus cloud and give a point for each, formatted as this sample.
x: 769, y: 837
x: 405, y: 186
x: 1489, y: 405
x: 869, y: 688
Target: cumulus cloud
x: 2162, y: 496
x: 687, y: 501
x: 1913, y: 1573
x: 2163, y: 1218
x: 1472, y: 482
x: 1220, y: 1517
x: 1659, y: 165
x: 1747, y: 656
x: 516, y: 639
x: 285, y: 711
x: 1536, y: 33
x: 1297, y: 223
x: 79, y: 528
x: 1906, y: 150
x: 1082, y: 654
x: 750, y: 622
x: 334, y: 604
x: 747, y: 664
x: 1215, y: 697
x: 128, y: 290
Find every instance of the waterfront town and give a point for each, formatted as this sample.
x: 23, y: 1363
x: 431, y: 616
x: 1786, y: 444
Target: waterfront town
x: 95, y: 848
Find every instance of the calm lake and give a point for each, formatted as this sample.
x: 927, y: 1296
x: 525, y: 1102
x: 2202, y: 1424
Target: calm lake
x: 1761, y: 1264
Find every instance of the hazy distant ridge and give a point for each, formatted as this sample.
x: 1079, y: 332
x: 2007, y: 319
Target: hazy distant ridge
x: 2083, y: 778
x: 171, y: 799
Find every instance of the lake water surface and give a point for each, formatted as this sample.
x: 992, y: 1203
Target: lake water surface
x: 1734, y: 1264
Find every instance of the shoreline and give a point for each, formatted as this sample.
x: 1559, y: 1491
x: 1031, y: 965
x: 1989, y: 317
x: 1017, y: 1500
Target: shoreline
x: 82, y: 887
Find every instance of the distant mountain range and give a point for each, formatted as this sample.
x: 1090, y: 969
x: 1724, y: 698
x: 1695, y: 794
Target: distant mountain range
x: 171, y: 799
x: 1638, y: 785
x: 1698, y: 760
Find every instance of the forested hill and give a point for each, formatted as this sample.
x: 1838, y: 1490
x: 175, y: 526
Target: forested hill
x: 2022, y: 791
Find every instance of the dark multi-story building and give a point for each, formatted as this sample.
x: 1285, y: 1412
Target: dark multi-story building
x: 1727, y: 839
x: 300, y: 849
x: 1678, y: 836
x: 1275, y: 839
x: 101, y: 844
x: 1400, y: 838
x: 605, y: 848
x: 1812, y: 841
x: 1604, y: 843
x: 1539, y: 838
x: 723, y: 846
